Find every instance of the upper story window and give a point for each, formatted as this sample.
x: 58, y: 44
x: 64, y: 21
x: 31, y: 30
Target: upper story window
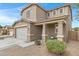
x: 61, y: 11
x: 28, y: 14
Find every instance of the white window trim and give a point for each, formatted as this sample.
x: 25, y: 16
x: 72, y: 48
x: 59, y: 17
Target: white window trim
x: 62, y: 11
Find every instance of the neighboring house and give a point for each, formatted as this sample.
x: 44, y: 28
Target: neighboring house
x: 10, y: 30
x: 37, y: 23
x: 7, y: 30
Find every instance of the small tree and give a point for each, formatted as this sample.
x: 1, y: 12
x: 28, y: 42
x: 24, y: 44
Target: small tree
x: 76, y: 28
x: 76, y: 6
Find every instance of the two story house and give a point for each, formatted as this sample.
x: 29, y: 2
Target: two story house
x: 37, y: 23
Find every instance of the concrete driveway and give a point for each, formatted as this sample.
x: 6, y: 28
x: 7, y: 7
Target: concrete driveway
x: 72, y: 50
x: 28, y: 51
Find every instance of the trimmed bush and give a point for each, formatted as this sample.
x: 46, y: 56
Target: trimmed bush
x: 56, y: 46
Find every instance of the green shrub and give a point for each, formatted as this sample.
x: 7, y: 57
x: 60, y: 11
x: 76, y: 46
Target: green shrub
x: 56, y: 46
x: 38, y: 42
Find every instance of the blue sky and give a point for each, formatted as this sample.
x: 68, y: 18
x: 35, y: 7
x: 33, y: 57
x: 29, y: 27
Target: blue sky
x: 10, y: 12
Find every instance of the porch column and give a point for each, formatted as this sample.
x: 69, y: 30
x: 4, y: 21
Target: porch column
x: 44, y: 32
x: 60, y: 31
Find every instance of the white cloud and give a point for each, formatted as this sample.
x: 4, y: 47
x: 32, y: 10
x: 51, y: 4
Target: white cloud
x: 9, y: 12
x: 9, y: 16
x: 4, y: 20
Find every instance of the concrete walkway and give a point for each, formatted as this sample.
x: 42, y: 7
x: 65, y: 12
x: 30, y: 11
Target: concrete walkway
x: 6, y: 43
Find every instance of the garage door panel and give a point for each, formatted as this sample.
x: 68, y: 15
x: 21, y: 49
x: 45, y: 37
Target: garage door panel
x: 21, y: 33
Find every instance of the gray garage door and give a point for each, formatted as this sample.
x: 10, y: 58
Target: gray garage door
x: 21, y: 33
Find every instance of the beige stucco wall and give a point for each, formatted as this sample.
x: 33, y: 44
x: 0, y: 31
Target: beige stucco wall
x: 68, y: 26
x: 68, y: 19
x: 32, y: 13
x: 68, y: 22
x: 40, y: 14
x: 20, y: 24
x: 37, y: 14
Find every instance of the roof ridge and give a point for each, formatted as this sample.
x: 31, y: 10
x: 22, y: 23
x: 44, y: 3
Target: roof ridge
x: 31, y: 4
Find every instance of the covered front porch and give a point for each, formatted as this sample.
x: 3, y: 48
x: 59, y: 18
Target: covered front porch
x: 55, y: 29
